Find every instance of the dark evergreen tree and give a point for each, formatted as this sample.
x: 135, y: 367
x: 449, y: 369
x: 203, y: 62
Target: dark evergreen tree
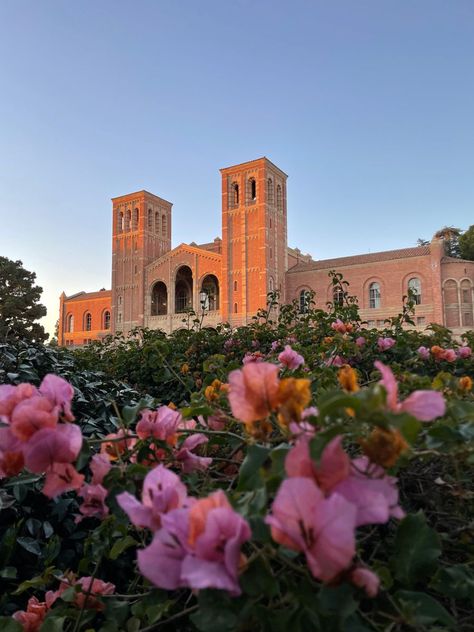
x: 451, y: 236
x: 19, y: 303
x: 466, y: 244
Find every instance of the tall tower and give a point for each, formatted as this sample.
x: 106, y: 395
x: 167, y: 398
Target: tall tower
x: 141, y: 233
x: 254, y: 237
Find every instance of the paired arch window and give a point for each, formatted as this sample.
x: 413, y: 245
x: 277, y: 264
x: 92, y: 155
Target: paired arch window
x: 157, y: 222
x: 414, y: 288
x: 128, y: 219
x: 304, y: 300
x: 270, y: 193
x: 121, y: 222
x: 163, y: 226
x: 150, y: 218
x: 88, y: 321
x: 374, y: 295
x: 136, y: 217
x: 70, y: 323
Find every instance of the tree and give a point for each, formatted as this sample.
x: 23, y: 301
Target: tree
x: 19, y: 303
x: 466, y: 244
x: 451, y: 236
x: 422, y: 242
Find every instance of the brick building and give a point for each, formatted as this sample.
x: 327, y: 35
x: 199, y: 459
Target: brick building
x: 154, y: 284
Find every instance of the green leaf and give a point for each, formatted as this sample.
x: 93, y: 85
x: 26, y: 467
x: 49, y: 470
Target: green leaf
x: 417, y: 547
x: 320, y: 441
x: 53, y: 624
x: 259, y: 580
x: 121, y: 545
x: 7, y: 624
x: 421, y: 609
x: 455, y: 581
x: 31, y: 545
x: 249, y: 477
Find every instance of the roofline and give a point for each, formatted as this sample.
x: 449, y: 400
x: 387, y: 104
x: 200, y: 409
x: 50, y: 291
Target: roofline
x: 249, y: 162
x: 135, y: 193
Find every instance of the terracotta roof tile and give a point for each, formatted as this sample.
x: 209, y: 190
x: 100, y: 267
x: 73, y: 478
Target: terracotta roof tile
x: 81, y: 296
x: 371, y: 257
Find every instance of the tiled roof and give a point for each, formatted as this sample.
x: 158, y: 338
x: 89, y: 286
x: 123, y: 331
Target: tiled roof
x: 81, y: 296
x: 371, y: 257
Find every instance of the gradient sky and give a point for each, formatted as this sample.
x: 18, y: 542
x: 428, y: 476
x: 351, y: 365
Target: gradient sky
x: 368, y: 105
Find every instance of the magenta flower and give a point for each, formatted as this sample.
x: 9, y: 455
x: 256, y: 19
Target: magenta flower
x: 100, y: 467
x: 162, y: 492
x: 424, y: 405
x: 197, y: 547
x: 250, y: 358
x: 333, y: 467
x: 464, y: 352
x: 93, y: 505
x: 189, y: 461
x: 385, y: 343
x: 61, y: 444
x: 336, y: 361
x: 367, y: 580
x: 290, y: 358
x: 360, y: 341
x: 60, y: 394
x: 60, y: 478
x: 161, y: 424
x: 302, y: 519
x: 423, y: 352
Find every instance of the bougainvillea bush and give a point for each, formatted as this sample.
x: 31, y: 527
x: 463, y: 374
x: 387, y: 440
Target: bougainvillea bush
x: 299, y: 473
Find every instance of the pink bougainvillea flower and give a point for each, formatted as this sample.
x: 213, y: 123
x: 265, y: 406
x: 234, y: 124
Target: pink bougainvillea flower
x: 423, y: 352
x: 366, y: 579
x: 60, y: 478
x: 216, y: 421
x: 59, y: 393
x: 250, y: 358
x: 91, y: 589
x: 31, y: 415
x: 190, y: 461
x: 322, y: 528
x: 464, y: 352
x: 253, y: 391
x: 336, y: 361
x: 162, y: 492
x: 10, y: 396
x: 161, y: 424
x: 360, y: 341
x: 116, y: 444
x: 333, y: 467
x: 93, y: 505
x: 424, y: 405
x: 385, y: 343
x: 290, y: 358
x: 61, y: 444
x: 371, y: 491
x: 275, y: 344
x: 100, y: 467
x: 449, y: 355
x: 11, y: 454
x: 33, y: 617
x: 341, y: 327
x: 302, y: 428
x: 198, y: 547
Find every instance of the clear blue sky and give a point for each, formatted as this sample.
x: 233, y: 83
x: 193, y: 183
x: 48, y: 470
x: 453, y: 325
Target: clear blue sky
x: 368, y: 105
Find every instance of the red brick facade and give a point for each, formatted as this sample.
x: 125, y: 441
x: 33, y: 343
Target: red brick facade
x: 153, y: 285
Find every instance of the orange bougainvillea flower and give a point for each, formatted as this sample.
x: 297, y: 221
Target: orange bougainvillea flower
x: 213, y: 391
x: 184, y: 368
x: 465, y: 383
x: 253, y: 391
x: 199, y: 511
x: 348, y: 379
x: 384, y: 446
x: 294, y: 396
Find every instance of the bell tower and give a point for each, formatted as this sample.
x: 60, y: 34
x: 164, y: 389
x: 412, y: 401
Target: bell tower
x: 254, y: 237
x: 141, y: 233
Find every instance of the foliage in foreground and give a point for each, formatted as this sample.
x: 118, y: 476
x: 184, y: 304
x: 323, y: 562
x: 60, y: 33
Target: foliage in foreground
x: 227, y: 531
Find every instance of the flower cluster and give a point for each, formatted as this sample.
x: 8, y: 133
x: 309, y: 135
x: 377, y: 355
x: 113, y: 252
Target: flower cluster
x: 37, y: 433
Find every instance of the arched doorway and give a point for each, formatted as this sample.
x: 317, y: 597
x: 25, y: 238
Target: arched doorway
x: 210, y: 286
x: 183, y: 289
x: 159, y: 299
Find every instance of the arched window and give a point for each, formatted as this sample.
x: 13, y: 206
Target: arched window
x: 70, y: 323
x: 270, y: 195
x: 235, y: 286
x: 107, y: 319
x: 183, y: 289
x: 159, y: 299
x: 305, y: 298
x: 157, y: 223
x: 150, y: 218
x: 279, y: 199
x: 128, y: 219
x: 252, y: 190
x: 374, y: 295
x: 271, y: 284
x: 271, y: 253
x: 120, y: 222
x: 236, y: 308
x: 210, y: 285
x: 338, y: 297
x: 136, y: 216
x: 234, y: 195
x: 414, y: 288
x: 163, y: 226
x: 119, y: 300
x: 88, y: 321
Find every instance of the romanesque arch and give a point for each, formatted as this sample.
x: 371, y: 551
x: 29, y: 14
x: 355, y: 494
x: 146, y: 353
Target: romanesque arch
x: 159, y: 299
x: 210, y: 287
x: 183, y: 289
